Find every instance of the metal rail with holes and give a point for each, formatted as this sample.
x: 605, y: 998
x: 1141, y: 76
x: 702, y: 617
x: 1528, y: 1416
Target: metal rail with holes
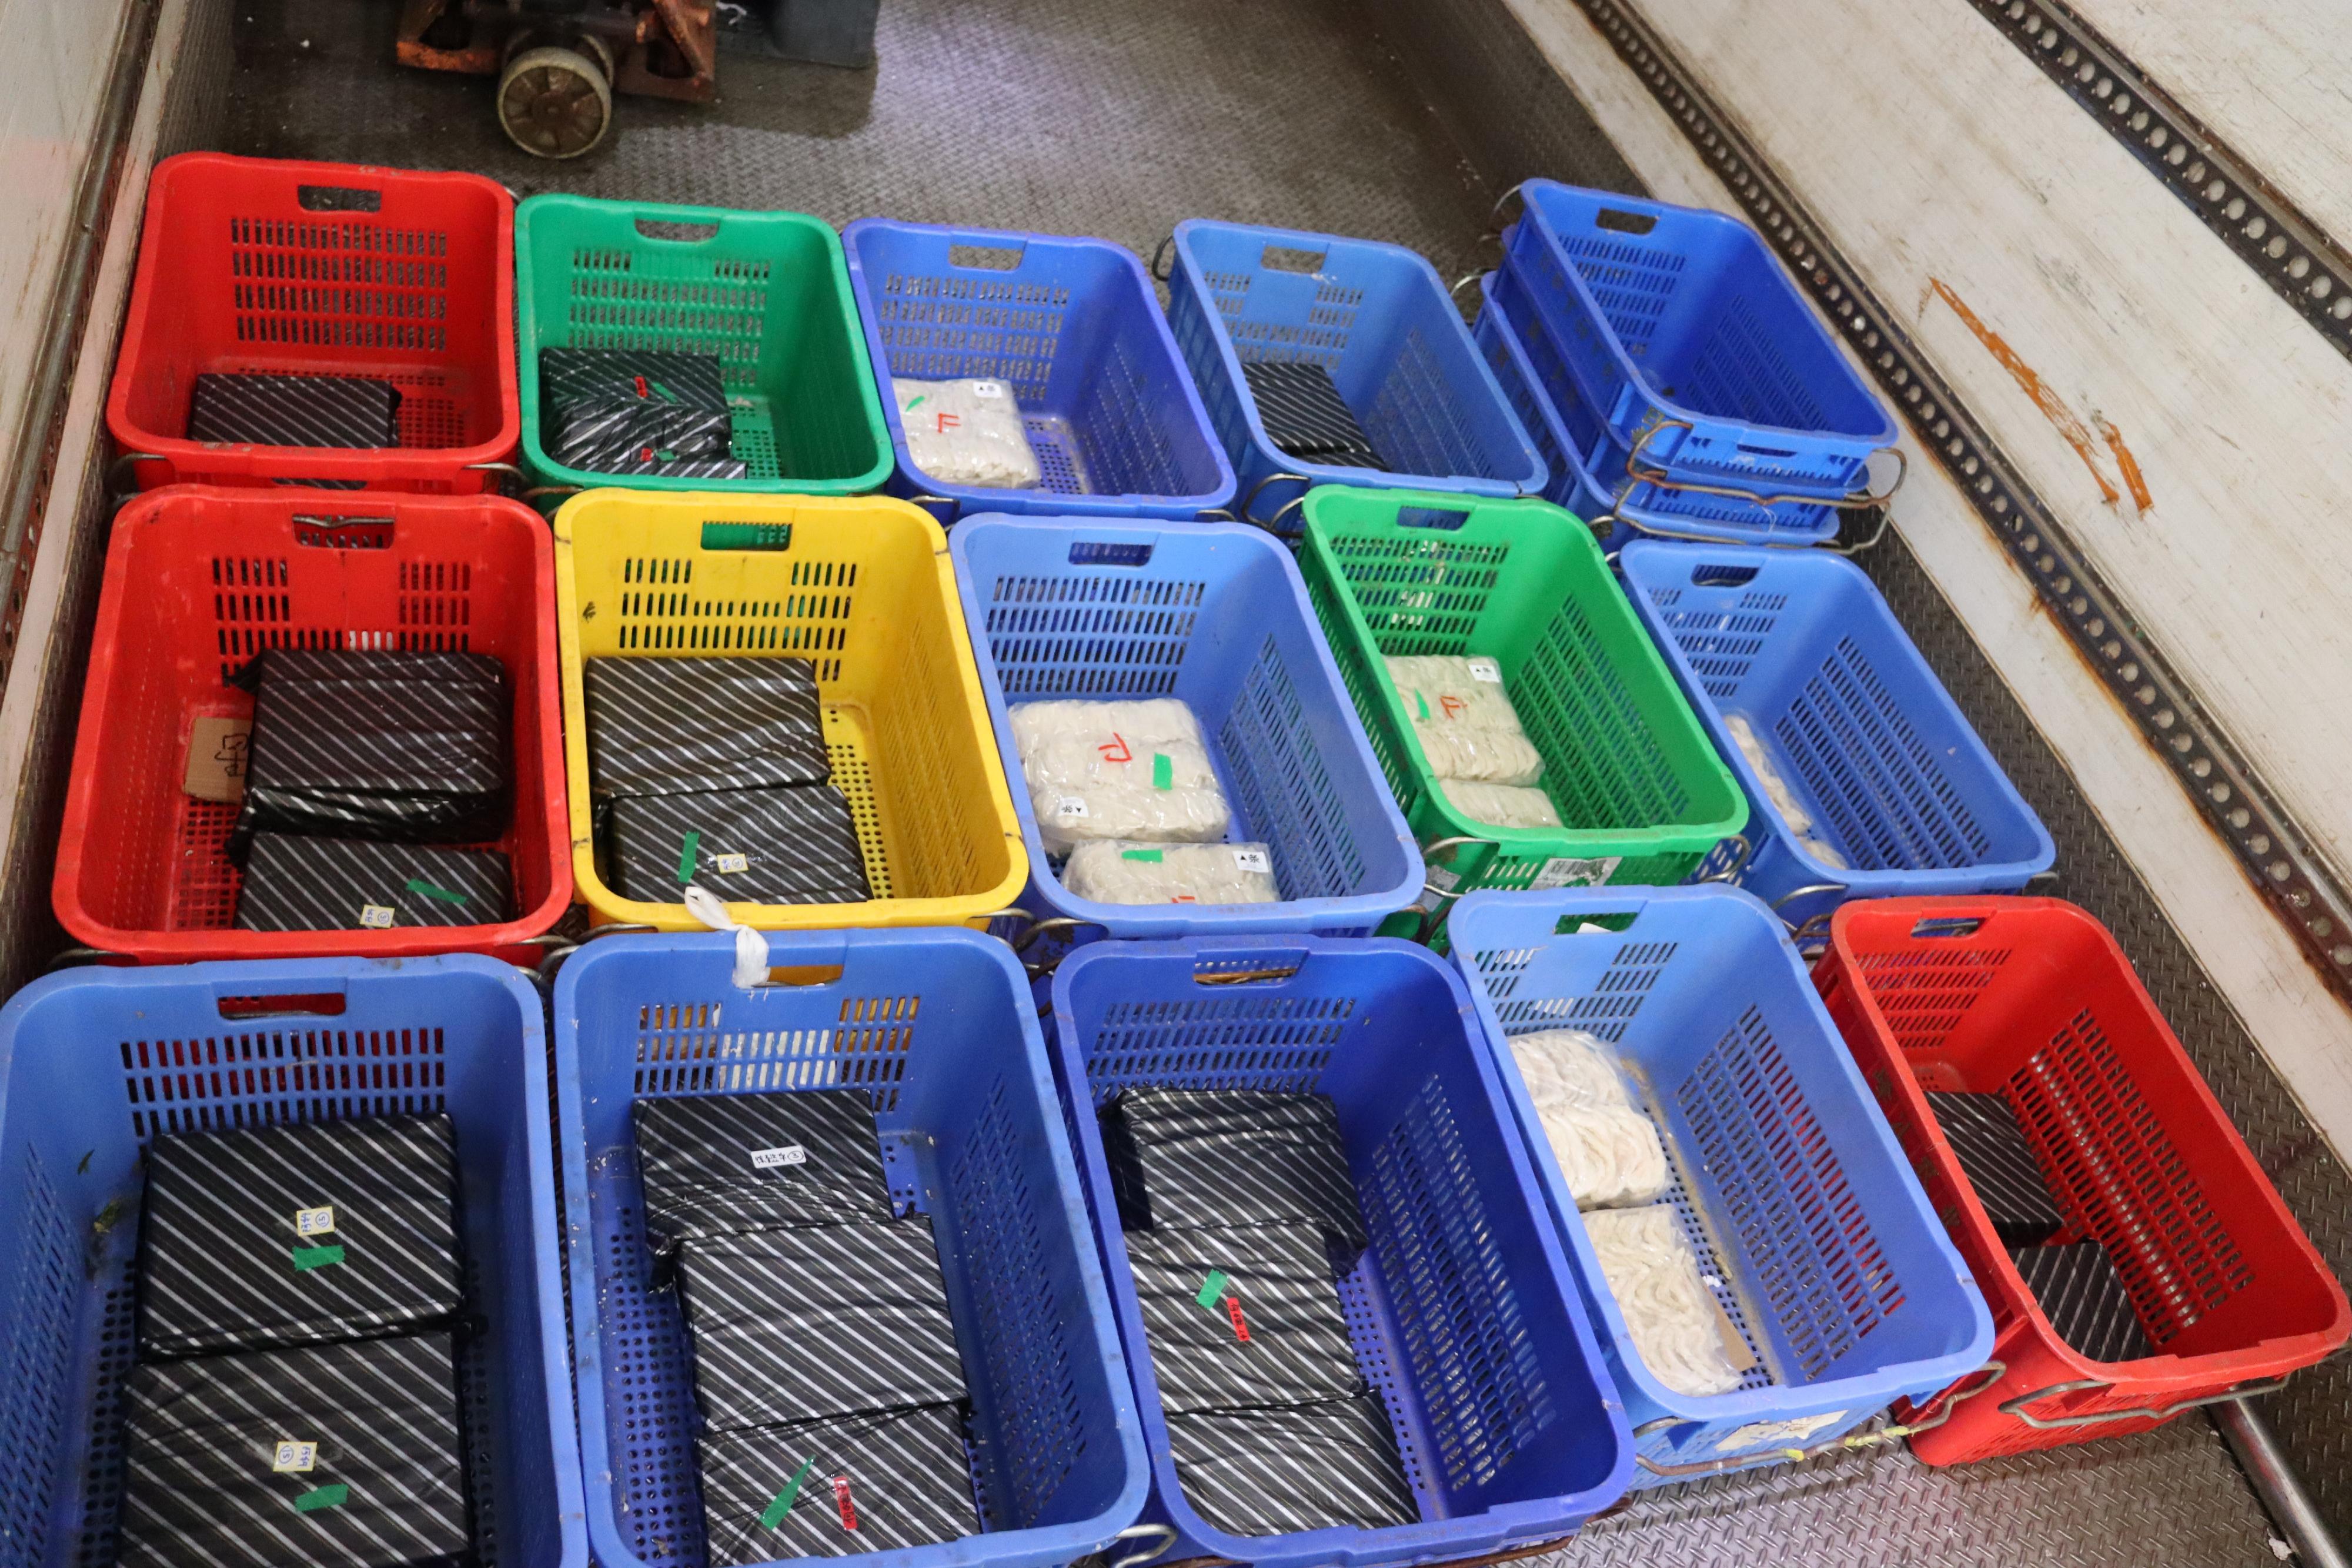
x: 2306, y: 893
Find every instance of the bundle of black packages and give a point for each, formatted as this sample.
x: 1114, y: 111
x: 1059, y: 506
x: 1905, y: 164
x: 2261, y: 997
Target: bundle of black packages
x: 264, y: 410
x: 295, y: 883
x: 1304, y: 414
x: 394, y: 748
x: 1999, y: 1164
x: 1241, y: 1317
x: 637, y: 411
x: 2078, y: 1290
x: 1185, y: 1159
x: 335, y: 1455
x: 881, y: 1481
x: 305, y: 1233
x: 719, y: 1164
x: 713, y: 771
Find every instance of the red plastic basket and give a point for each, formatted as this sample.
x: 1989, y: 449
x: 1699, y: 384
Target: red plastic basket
x: 2031, y: 999
x: 198, y: 580
x: 255, y: 265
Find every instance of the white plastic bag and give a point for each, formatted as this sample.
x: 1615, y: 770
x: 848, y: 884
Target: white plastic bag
x: 1133, y: 770
x: 1793, y: 815
x: 1500, y: 805
x: 1464, y: 719
x: 967, y: 433
x: 1110, y: 871
x: 1609, y: 1153
x: 1667, y: 1308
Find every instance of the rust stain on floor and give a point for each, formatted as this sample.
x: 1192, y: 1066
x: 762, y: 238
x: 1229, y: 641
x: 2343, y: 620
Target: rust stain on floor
x: 2055, y: 409
x: 2126, y: 464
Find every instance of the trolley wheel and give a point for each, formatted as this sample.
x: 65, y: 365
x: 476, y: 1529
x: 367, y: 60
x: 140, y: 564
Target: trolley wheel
x: 554, y: 102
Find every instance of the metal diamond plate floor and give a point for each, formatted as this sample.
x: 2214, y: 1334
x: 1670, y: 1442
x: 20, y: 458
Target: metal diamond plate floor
x: 1119, y: 116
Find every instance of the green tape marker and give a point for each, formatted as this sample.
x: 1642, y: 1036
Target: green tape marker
x: 686, y: 850
x: 773, y: 1515
x: 419, y: 886
x: 308, y: 1258
x: 317, y: 1498
x: 917, y: 403
x: 666, y: 395
x: 1422, y: 703
x: 1212, y: 1290
x: 1149, y: 857
x: 1163, y: 771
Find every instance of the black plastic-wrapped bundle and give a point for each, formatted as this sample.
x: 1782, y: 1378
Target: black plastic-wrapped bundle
x: 714, y: 1164
x: 295, y: 410
x: 1185, y: 1159
x: 881, y: 1481
x: 1276, y: 1472
x: 636, y: 410
x: 672, y: 725
x: 745, y: 846
x: 296, y: 883
x: 1243, y: 1317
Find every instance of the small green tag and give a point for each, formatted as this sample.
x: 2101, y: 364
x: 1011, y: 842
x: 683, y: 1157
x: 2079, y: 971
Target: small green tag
x: 1163, y: 771
x: 686, y: 850
x: 783, y: 1500
x: 1149, y: 857
x: 308, y: 1258
x: 317, y: 1498
x: 666, y: 395
x: 1422, y: 703
x: 1212, y: 1290
x: 419, y: 886
x: 917, y: 402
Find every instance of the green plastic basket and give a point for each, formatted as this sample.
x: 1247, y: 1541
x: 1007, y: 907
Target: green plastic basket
x: 1626, y: 763
x: 767, y: 293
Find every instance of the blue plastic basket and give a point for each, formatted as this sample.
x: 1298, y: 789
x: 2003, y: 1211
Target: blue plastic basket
x: 1464, y: 1318
x: 1694, y: 346
x: 938, y: 1025
x: 1075, y: 327
x: 1215, y: 615
x: 1577, y: 449
x: 1377, y: 318
x: 95, y: 1062
x: 1790, y: 1186
x: 1804, y: 646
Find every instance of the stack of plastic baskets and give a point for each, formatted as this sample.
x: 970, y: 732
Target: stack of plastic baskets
x: 1802, y: 646
x: 939, y: 1027
x: 766, y: 294
x: 1464, y: 1318
x: 96, y: 1064
x: 259, y: 265
x: 1823, y: 1250
x: 2032, y: 1000
x: 860, y: 588
x: 1631, y: 774
x: 1073, y: 327
x: 1377, y: 319
x: 1698, y: 381
x: 1215, y: 616
x: 198, y: 582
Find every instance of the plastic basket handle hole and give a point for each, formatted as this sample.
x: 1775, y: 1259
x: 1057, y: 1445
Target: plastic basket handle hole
x: 1768, y: 451
x: 676, y: 232
x: 1942, y: 926
x: 747, y: 535
x: 342, y: 533
x: 1705, y: 576
x: 1255, y: 969
x: 986, y: 258
x: 1105, y: 554
x: 1624, y: 223
x: 338, y: 199
x: 1577, y: 925
x: 804, y: 975
x: 312, y: 1004
x: 1430, y: 517
x: 1289, y: 258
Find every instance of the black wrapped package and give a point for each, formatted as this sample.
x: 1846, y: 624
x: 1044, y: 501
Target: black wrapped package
x: 345, y: 1456
x: 1277, y: 1472
x: 1183, y: 1158
x: 294, y: 883
x: 829, y: 1319
x: 714, y: 1164
x: 295, y: 410
x: 745, y: 846
x: 670, y: 378
x: 2078, y: 1290
x: 399, y: 747
x: 1241, y: 1317
x: 1305, y: 415
x: 670, y: 727
x: 876, y: 1482
x: 262, y: 1238
x: 2000, y: 1164
x: 608, y: 409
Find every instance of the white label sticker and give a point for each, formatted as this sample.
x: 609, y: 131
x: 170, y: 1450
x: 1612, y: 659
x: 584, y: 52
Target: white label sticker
x: 1561, y: 871
x: 1443, y: 880
x: 1777, y: 1434
x: 988, y: 389
x: 1486, y: 670
x: 1070, y: 808
x: 292, y: 1458
x: 728, y: 864
x: 314, y: 1221
x: 1252, y: 859
x: 376, y: 916
x: 777, y: 1159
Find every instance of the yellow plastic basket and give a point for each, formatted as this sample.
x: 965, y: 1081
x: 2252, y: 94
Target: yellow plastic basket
x: 859, y: 586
